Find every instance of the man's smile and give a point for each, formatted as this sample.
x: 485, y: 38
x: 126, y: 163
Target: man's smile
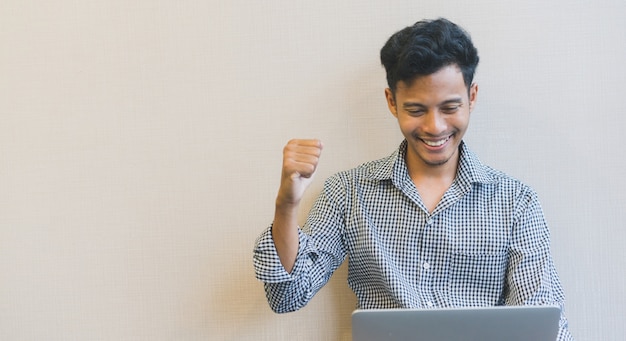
x: 438, y: 142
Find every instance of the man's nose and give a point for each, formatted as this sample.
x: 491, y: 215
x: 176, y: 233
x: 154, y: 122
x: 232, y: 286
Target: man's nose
x: 434, y: 123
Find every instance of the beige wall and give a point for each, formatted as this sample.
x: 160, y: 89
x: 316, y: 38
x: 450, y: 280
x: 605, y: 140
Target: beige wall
x: 140, y: 146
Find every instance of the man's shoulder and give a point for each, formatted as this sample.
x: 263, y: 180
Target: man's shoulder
x: 484, y: 174
x: 498, y: 175
x: 379, y: 169
x: 363, y: 177
x: 506, y: 185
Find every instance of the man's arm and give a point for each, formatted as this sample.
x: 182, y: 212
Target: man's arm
x: 296, y: 263
x: 531, y: 276
x: 300, y: 159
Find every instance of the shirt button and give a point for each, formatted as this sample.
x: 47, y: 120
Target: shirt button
x: 429, y: 304
x: 426, y: 265
x: 309, y: 262
x: 429, y: 221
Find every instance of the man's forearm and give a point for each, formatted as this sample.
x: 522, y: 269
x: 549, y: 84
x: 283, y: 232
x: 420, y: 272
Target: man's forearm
x: 285, y: 235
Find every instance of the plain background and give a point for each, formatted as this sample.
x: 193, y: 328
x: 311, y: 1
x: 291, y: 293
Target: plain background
x: 140, y: 150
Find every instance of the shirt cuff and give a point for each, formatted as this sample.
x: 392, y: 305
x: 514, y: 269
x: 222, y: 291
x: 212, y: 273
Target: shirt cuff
x: 267, y: 265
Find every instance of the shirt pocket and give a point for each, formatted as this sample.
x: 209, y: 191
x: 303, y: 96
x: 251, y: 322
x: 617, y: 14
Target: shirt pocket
x: 476, y: 279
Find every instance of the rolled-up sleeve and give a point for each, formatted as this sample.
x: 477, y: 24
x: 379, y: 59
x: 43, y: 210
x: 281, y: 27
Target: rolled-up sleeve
x: 267, y: 265
x: 285, y: 291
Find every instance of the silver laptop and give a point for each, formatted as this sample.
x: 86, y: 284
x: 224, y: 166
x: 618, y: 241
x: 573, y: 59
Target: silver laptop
x: 510, y: 323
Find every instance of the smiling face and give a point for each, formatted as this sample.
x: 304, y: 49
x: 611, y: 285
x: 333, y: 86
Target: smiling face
x: 433, y: 113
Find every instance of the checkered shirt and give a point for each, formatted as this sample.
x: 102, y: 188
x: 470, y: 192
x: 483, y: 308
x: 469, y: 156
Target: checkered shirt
x: 485, y: 244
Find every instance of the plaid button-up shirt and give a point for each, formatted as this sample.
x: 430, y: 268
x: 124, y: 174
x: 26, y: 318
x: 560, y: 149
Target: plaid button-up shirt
x: 486, y: 243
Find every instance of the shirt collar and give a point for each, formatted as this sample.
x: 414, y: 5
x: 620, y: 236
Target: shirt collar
x: 470, y: 171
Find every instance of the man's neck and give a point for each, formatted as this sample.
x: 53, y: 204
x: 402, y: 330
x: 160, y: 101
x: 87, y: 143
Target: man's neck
x: 432, y: 181
x: 420, y: 171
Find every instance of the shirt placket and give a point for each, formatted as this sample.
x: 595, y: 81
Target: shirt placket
x: 426, y: 264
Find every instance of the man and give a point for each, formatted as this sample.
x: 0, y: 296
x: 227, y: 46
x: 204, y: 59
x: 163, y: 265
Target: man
x: 428, y: 226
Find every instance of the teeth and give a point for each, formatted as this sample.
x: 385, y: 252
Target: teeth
x: 436, y: 143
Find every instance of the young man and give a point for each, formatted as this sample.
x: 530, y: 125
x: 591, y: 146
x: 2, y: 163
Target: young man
x: 428, y: 226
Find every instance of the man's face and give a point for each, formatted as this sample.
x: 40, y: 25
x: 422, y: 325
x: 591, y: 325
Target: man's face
x: 433, y: 113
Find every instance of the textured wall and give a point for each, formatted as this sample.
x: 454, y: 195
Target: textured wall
x: 140, y: 146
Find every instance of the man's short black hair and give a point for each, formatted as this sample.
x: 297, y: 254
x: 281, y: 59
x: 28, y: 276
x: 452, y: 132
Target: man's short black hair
x: 425, y: 48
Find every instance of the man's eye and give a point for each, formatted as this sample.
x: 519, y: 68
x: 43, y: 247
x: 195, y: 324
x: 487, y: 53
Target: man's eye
x: 450, y: 110
x: 416, y: 112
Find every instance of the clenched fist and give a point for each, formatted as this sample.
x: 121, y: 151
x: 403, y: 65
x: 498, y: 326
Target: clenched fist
x: 300, y: 159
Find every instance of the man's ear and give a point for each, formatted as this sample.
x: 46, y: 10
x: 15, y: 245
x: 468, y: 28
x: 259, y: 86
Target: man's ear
x: 473, y: 95
x: 391, y: 102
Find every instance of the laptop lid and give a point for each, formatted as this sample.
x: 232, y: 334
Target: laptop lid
x: 510, y: 323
